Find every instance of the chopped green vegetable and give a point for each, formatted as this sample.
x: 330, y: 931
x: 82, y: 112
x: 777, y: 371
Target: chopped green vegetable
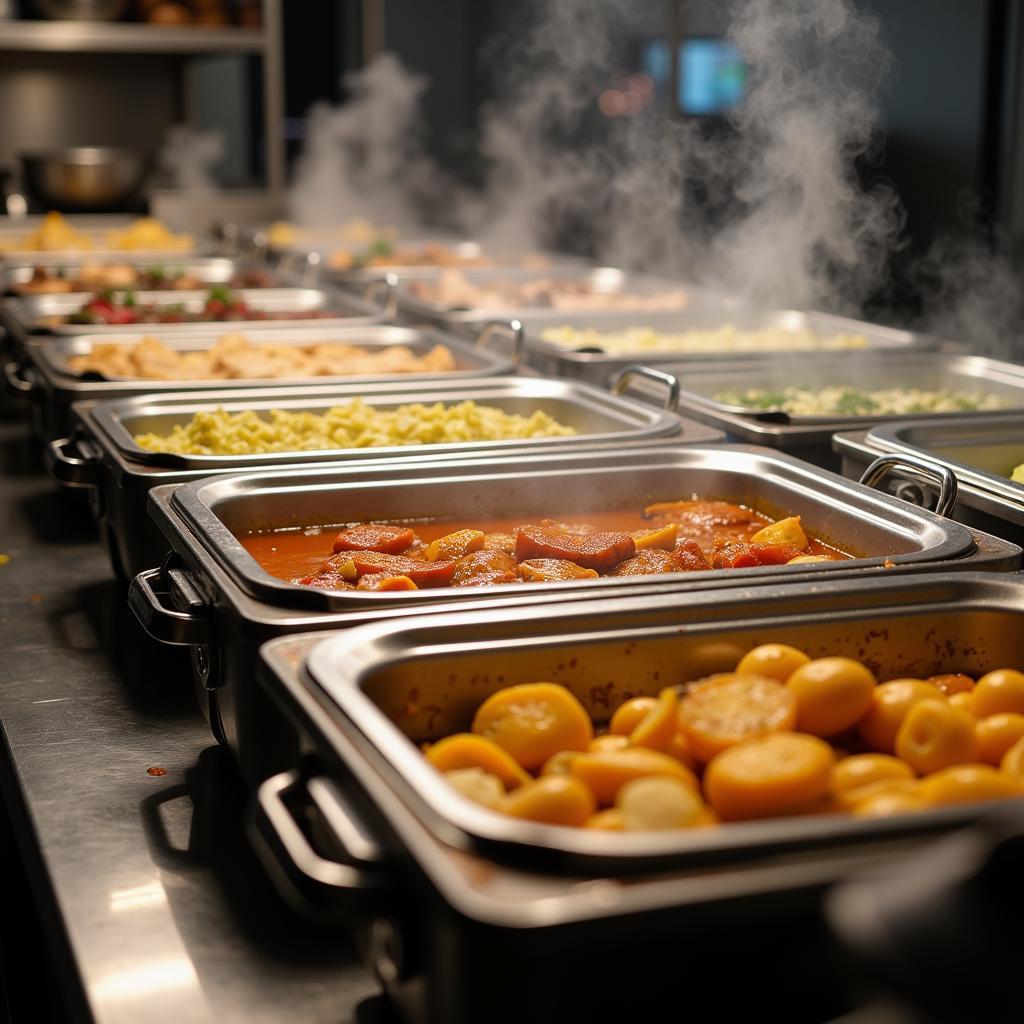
x: 849, y: 401
x: 221, y: 293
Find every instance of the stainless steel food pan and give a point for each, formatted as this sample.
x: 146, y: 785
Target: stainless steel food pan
x: 210, y: 270
x: 46, y: 377
x: 854, y: 518
x: 433, y: 873
x: 240, y: 606
x: 28, y: 314
x: 395, y: 686
x: 317, y: 248
x: 99, y: 456
x: 599, y: 280
x: 598, y: 367
x: 981, y: 451
x: 810, y: 437
x: 96, y: 226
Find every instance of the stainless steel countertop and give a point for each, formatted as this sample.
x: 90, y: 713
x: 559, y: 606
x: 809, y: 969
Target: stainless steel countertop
x: 162, y: 905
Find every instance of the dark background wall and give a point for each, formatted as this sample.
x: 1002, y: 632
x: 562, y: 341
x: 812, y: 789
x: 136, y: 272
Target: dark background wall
x: 950, y: 135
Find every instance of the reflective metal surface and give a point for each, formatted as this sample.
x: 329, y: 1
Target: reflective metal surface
x: 483, y: 913
x: 45, y: 377
x: 880, y: 531
x: 208, y: 269
x: 166, y: 914
x: 597, y: 367
x: 981, y: 452
x: 240, y: 621
x: 812, y: 439
x: 92, y: 457
x: 597, y: 417
x: 47, y: 314
x: 398, y: 686
x: 599, y: 280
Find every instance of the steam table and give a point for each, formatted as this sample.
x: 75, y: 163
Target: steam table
x: 153, y: 907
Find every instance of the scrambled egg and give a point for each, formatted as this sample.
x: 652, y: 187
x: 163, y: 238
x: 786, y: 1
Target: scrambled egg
x: 149, y: 233
x: 726, y: 338
x: 56, y: 234
x: 1018, y: 474
x: 352, y: 425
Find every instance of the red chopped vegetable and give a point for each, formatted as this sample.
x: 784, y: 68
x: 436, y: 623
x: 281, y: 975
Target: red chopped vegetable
x: 742, y: 556
x: 599, y: 551
x: 325, y: 581
x: 382, y: 581
x: 390, y: 540
x: 690, y: 557
x: 430, y: 574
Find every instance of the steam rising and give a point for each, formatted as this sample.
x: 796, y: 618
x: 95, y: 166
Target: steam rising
x: 809, y: 235
x: 772, y: 210
x: 800, y: 229
x: 366, y: 159
x: 188, y: 157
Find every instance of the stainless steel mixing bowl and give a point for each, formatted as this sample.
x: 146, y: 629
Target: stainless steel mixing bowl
x: 84, y: 178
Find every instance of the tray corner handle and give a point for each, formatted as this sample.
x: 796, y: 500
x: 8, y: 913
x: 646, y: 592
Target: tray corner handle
x: 513, y: 329
x: 622, y: 380
x: 69, y: 465
x: 149, y: 597
x: 934, y: 473
x: 384, y: 291
x: 309, y: 882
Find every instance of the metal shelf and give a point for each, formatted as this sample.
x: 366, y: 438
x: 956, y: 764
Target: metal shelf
x: 115, y: 37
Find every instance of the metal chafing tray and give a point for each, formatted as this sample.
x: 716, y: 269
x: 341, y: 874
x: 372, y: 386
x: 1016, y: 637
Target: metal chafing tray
x: 209, y: 270
x: 598, y: 367
x: 431, y: 870
x: 28, y: 314
x: 241, y: 605
x: 46, y: 378
x: 600, y: 280
x: 981, y: 451
x: 811, y: 437
x: 101, y: 453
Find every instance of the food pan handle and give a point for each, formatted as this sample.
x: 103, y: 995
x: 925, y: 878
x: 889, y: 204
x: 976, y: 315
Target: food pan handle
x: 16, y: 379
x: 254, y: 249
x: 69, y: 465
x: 622, y: 381
x: 310, y: 883
x: 384, y: 291
x: 513, y: 329
x: 933, y: 473
x: 154, y: 596
x: 311, y: 271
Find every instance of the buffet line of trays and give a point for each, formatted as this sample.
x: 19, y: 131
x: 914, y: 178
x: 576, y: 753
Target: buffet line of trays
x: 544, y: 491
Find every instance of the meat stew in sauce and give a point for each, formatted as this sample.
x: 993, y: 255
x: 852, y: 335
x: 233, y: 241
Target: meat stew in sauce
x: 667, y: 537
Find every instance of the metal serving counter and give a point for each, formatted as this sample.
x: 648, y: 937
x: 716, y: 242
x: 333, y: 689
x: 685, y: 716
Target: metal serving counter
x: 154, y: 907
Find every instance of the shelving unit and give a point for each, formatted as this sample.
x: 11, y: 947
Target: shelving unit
x: 119, y: 37
x: 177, y: 45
